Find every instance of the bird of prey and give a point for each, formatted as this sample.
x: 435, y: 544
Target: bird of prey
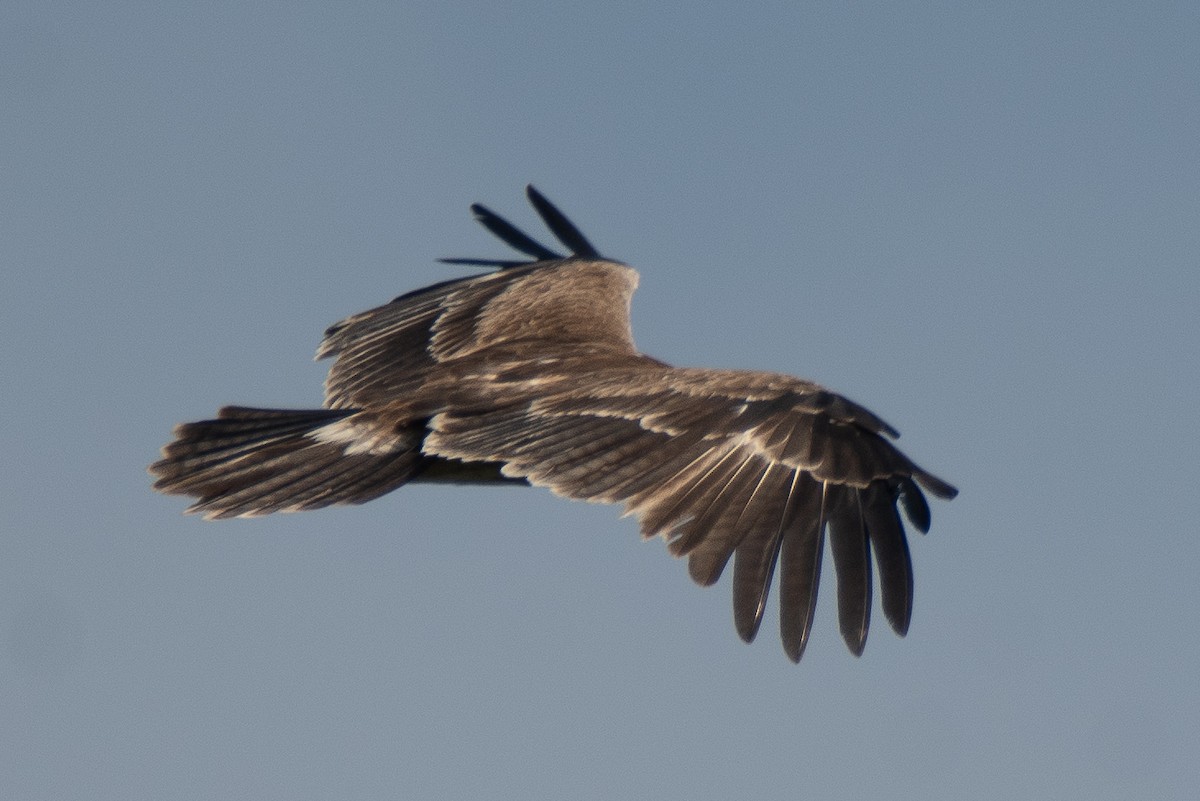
x: 528, y: 374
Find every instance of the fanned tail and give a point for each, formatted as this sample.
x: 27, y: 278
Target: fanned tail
x: 251, y: 462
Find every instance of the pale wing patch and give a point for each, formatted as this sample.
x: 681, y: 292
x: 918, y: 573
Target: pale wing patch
x: 357, y: 437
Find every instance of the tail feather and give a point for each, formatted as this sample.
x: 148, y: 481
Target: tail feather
x: 256, y: 461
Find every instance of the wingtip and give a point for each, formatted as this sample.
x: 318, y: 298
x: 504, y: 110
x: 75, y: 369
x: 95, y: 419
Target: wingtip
x: 940, y: 488
x: 899, y: 624
x: 794, y: 648
x: 856, y: 643
x: 511, y: 235
x: 916, y: 508
x: 747, y: 625
x: 560, y: 225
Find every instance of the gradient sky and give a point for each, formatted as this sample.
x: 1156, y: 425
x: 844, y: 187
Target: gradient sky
x: 983, y: 223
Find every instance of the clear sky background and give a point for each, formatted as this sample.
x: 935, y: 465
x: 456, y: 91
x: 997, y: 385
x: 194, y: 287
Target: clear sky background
x: 980, y: 220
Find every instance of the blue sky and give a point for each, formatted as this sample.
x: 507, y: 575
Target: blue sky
x: 980, y: 222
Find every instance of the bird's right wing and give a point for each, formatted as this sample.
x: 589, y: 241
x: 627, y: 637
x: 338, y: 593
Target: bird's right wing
x: 752, y: 466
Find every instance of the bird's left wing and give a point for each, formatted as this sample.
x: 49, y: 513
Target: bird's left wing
x: 539, y: 307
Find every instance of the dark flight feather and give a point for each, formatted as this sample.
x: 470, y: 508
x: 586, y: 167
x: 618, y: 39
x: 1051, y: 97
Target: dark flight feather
x: 803, y: 543
x: 560, y: 226
x: 511, y: 235
x: 849, y: 545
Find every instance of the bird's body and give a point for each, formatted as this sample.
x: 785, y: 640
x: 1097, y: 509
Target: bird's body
x: 529, y: 374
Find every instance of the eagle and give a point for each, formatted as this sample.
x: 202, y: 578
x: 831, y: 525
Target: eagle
x: 528, y: 374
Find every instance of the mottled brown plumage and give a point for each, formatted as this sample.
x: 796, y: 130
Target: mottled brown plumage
x: 529, y: 374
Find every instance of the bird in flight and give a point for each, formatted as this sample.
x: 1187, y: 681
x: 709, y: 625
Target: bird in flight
x: 528, y: 374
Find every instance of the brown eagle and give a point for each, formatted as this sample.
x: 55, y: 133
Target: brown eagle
x: 528, y: 374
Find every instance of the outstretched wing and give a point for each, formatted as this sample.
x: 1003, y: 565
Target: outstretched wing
x: 542, y: 306
x: 753, y: 466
